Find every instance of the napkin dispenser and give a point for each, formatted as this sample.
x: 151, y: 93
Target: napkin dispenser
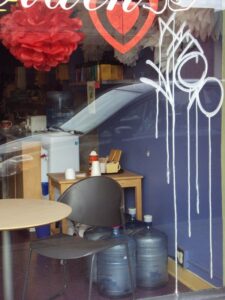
x: 113, y: 164
x: 112, y: 167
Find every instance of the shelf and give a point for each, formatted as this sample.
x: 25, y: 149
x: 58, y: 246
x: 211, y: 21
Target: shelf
x: 109, y: 82
x: 124, y: 81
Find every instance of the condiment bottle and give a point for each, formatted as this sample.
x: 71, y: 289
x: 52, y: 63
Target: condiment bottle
x: 93, y: 156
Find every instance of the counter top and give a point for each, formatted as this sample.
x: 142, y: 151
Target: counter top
x: 60, y: 177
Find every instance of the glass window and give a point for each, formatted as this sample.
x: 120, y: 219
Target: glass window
x: 149, y: 82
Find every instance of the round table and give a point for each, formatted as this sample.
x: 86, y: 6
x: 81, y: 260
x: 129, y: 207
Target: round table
x: 20, y: 214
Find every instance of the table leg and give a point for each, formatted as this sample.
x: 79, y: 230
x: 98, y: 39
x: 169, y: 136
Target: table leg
x: 138, y: 200
x: 123, y: 202
x: 7, y: 266
x: 51, y: 190
x: 65, y: 224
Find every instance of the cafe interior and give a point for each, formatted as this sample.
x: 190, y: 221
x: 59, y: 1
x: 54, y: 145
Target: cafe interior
x: 112, y: 150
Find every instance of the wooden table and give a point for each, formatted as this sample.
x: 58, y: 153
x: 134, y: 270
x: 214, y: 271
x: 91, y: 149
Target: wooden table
x: 126, y: 179
x: 20, y: 214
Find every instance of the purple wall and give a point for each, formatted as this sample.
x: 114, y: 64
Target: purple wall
x: 133, y: 131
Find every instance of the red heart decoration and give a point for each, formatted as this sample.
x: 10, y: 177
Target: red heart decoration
x: 123, y: 48
x: 123, y: 21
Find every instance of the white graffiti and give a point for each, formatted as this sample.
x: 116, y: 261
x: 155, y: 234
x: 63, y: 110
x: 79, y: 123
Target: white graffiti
x: 176, y: 60
x: 173, y: 5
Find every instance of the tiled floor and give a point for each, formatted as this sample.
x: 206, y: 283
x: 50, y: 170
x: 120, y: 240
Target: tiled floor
x: 46, y: 276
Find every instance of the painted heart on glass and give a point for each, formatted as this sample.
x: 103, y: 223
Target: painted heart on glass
x: 122, y: 22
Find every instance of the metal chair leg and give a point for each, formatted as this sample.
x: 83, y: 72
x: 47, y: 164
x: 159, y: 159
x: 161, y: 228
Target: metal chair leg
x: 62, y: 291
x: 91, y: 276
x: 130, y: 272
x: 65, y: 274
x: 26, y: 276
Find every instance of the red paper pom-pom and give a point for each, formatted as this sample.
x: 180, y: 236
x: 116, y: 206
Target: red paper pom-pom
x: 40, y: 37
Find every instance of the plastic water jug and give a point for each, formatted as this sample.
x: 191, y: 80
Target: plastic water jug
x: 95, y: 233
x: 133, y: 225
x: 112, y: 267
x: 151, y: 268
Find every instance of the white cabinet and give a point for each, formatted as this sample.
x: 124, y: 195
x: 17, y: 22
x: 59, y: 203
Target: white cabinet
x: 59, y: 151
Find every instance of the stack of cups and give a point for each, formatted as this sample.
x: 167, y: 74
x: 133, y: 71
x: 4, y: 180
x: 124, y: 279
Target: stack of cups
x: 70, y: 174
x: 93, y: 156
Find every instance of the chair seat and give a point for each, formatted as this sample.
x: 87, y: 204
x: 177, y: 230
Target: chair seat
x: 70, y: 247
x: 95, y: 201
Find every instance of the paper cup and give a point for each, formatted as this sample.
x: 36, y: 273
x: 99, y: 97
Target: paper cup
x: 70, y: 174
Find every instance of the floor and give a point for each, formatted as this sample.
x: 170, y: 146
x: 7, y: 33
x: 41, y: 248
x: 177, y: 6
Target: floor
x: 45, y: 277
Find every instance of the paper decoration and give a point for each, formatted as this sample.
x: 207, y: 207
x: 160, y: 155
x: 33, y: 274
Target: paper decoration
x: 123, y: 21
x: 130, y: 18
x: 40, y: 37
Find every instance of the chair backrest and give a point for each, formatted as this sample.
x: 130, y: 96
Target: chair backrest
x: 95, y: 201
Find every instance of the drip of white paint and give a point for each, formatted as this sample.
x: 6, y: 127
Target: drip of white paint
x: 157, y: 115
x: 157, y: 91
x: 167, y: 109
x: 167, y: 145
x: 189, y: 172
x: 209, y: 115
x: 196, y: 160
x: 210, y: 199
x: 174, y: 197
x: 174, y: 160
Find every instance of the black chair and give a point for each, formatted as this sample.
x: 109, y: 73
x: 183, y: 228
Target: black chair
x: 95, y: 201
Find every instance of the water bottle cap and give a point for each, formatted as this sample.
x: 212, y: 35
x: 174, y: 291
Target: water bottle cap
x: 148, y: 218
x: 132, y: 211
x: 93, y: 153
x: 116, y: 229
x: 116, y: 226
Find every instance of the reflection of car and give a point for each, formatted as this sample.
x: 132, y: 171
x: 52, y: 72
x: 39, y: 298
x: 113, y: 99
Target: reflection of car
x: 135, y: 109
x: 142, y: 116
x: 107, y: 105
x: 91, y: 116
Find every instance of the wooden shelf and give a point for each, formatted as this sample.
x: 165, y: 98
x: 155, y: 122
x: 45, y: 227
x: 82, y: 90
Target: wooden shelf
x: 109, y: 82
x: 26, y: 182
x: 124, y: 81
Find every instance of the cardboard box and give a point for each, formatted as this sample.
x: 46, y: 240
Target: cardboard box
x: 105, y: 72
x: 116, y: 72
x: 111, y: 72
